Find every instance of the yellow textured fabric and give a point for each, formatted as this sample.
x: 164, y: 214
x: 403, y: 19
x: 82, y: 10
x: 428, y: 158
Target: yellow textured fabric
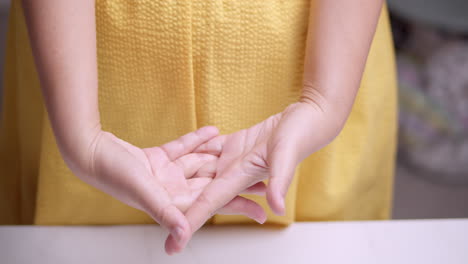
x: 169, y: 67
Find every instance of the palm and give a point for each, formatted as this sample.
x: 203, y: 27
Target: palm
x: 246, y: 156
x: 269, y: 150
x: 282, y: 139
x: 244, y: 153
x: 162, y: 181
x: 183, y: 178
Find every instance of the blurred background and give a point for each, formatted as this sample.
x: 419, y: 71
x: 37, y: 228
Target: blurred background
x: 431, y: 40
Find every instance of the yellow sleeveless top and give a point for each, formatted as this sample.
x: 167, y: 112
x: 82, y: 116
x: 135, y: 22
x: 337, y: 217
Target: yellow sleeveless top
x: 169, y: 67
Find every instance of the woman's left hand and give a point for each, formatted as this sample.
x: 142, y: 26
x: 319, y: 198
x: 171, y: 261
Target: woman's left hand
x: 269, y: 150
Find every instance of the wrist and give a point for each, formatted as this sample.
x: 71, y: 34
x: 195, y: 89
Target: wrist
x: 77, y: 147
x: 335, y: 107
x: 315, y: 127
x: 313, y: 97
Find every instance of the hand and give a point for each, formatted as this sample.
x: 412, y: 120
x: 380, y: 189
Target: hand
x: 161, y: 181
x: 269, y: 150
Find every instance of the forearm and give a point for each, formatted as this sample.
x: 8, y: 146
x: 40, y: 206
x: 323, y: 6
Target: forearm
x: 339, y: 38
x: 63, y: 41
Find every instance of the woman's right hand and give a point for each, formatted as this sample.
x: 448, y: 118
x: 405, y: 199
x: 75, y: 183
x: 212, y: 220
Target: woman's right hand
x: 161, y: 181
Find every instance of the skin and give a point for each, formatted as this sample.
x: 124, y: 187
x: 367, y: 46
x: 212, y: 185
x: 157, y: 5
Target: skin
x: 339, y: 37
x: 161, y: 181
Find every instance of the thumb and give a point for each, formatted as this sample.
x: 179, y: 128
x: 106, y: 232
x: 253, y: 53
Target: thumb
x: 174, y: 220
x: 282, y: 164
x: 159, y: 207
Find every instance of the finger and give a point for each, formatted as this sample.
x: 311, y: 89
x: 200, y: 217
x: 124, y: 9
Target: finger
x: 158, y: 205
x: 244, y: 206
x: 259, y: 189
x: 208, y: 170
x: 187, y: 143
x: 197, y: 185
x: 181, y: 231
x: 237, y: 206
x: 199, y: 164
x: 282, y: 168
x: 217, y: 194
x: 213, y: 147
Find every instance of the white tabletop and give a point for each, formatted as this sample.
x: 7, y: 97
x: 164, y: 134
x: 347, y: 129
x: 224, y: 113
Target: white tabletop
x: 425, y: 241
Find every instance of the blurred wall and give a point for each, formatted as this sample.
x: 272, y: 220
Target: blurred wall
x: 4, y: 5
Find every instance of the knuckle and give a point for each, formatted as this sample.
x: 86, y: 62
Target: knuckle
x: 206, y: 203
x: 163, y: 216
x: 203, y: 199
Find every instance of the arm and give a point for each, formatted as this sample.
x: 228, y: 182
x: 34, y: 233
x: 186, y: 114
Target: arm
x: 339, y: 38
x: 63, y: 40
x: 162, y: 181
x: 340, y: 34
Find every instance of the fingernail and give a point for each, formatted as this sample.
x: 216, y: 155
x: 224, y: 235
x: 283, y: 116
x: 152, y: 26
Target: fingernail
x: 177, y: 233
